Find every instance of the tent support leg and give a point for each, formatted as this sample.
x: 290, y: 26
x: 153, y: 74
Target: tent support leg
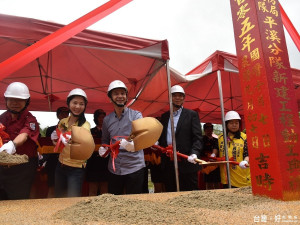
x: 172, y: 127
x: 224, y: 126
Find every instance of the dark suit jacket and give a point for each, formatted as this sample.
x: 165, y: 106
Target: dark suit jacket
x: 50, y: 130
x: 188, y: 137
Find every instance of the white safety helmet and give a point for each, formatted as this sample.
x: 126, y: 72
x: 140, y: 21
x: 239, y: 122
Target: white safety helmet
x: 177, y: 89
x: 232, y: 115
x: 116, y: 84
x: 77, y: 91
x: 17, y: 90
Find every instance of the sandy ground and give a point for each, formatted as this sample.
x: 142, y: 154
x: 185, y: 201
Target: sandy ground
x: 235, y: 206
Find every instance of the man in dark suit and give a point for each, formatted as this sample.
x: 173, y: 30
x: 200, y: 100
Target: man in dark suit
x: 188, y: 136
x: 61, y: 112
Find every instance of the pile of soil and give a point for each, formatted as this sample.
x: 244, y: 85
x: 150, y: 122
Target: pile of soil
x: 9, y: 160
x: 221, y: 200
x: 223, y: 206
x: 117, y: 209
x: 177, y: 210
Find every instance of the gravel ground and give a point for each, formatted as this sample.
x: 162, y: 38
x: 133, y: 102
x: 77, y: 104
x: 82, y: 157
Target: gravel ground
x: 235, y: 206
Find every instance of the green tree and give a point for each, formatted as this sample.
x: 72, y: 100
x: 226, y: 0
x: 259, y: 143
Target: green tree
x: 43, y: 131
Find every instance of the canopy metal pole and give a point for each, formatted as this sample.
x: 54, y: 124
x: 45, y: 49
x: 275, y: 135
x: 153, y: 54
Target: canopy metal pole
x: 224, y: 126
x: 172, y: 127
x: 49, y: 68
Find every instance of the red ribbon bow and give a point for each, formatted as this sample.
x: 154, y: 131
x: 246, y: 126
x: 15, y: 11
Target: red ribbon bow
x: 59, y: 145
x: 113, y: 149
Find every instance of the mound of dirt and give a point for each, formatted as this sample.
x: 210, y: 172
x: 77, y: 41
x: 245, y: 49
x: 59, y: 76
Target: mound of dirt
x: 118, y: 209
x: 176, y: 210
x: 9, y: 160
x: 223, y: 206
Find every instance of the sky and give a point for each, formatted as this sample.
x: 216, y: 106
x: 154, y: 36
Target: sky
x: 194, y: 28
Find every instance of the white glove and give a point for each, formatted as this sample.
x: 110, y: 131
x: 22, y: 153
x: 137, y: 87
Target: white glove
x: 213, y: 155
x: 65, y: 140
x: 9, y: 147
x: 40, y: 157
x: 128, y: 145
x: 54, y: 136
x: 102, y: 151
x: 244, y: 164
x: 154, y: 149
x: 192, y: 158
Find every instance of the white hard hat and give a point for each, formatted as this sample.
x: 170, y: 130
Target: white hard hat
x: 232, y: 115
x: 116, y: 84
x: 177, y: 89
x: 77, y: 91
x: 17, y: 90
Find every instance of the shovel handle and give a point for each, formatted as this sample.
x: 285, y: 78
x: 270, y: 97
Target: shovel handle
x: 201, y: 161
x: 186, y: 156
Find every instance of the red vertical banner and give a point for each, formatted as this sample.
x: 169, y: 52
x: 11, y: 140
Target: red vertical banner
x: 270, y: 105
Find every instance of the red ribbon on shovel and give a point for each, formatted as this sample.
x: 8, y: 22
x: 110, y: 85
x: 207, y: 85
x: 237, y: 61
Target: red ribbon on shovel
x: 59, y: 145
x: 113, y: 149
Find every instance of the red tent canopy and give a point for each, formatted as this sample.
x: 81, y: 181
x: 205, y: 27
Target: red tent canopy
x: 203, y: 93
x: 89, y: 60
x: 202, y: 89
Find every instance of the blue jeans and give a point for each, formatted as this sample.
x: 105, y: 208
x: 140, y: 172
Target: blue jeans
x: 68, y: 181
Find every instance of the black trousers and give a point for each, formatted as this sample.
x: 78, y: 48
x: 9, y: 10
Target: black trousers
x: 225, y: 186
x: 187, y: 181
x: 52, y: 160
x: 130, y: 183
x: 16, y: 181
